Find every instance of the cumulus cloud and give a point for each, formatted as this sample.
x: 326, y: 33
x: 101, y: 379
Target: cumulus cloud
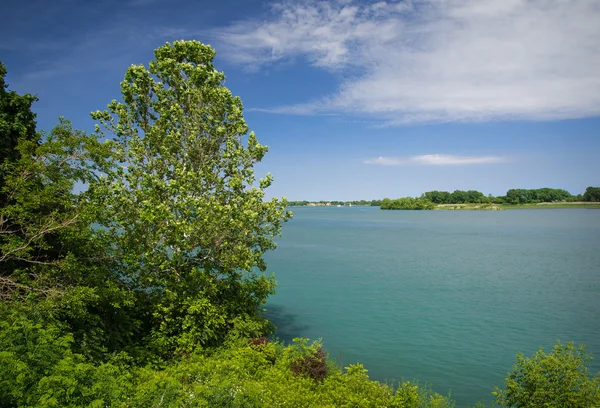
x: 435, y: 60
x: 433, y: 159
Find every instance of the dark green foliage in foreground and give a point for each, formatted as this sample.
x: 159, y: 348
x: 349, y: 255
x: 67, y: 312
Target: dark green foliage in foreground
x: 559, y: 379
x: 407, y: 203
x: 17, y: 121
x: 48, y: 252
x: 38, y: 368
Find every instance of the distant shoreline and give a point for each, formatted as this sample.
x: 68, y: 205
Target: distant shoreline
x: 532, y: 206
x: 484, y: 207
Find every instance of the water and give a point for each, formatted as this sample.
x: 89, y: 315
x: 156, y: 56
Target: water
x: 445, y: 297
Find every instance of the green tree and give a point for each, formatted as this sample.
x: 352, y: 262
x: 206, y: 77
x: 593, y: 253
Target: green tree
x: 558, y: 379
x: 476, y: 197
x: 459, y: 197
x: 17, y: 122
x: 407, y: 203
x: 181, y: 210
x: 575, y: 198
x: 38, y: 199
x: 16, y: 119
x: 517, y: 196
x: 49, y: 259
x: 540, y: 195
x: 437, y: 197
x: 592, y: 194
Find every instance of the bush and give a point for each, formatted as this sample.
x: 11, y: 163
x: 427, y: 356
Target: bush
x: 558, y: 379
x: 313, y: 365
x: 38, y: 368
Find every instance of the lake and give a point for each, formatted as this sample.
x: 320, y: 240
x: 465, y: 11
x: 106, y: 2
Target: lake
x: 444, y: 297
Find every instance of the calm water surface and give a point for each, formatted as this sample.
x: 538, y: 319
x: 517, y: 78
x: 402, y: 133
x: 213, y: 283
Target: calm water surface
x: 445, y: 297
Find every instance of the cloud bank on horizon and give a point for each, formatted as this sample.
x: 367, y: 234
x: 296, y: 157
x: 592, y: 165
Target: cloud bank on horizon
x: 434, y: 60
x: 434, y: 159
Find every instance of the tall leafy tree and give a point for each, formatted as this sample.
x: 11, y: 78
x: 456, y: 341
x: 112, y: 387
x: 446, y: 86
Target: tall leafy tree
x: 181, y: 210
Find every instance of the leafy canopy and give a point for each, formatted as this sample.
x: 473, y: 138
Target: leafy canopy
x: 181, y: 209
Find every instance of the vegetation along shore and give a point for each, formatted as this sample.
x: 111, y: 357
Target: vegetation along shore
x: 542, y: 198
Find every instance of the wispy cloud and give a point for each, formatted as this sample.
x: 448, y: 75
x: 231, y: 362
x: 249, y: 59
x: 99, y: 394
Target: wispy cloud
x: 434, y: 160
x: 433, y: 60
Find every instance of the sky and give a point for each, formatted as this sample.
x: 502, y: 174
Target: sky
x: 356, y: 100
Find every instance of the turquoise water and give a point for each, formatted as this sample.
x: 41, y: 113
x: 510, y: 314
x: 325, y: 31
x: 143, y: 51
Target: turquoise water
x: 445, y: 297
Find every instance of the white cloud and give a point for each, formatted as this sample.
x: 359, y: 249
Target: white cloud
x: 434, y: 159
x: 435, y: 60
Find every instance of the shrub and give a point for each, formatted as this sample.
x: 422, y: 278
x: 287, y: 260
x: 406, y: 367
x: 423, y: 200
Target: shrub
x: 558, y: 379
x: 313, y: 365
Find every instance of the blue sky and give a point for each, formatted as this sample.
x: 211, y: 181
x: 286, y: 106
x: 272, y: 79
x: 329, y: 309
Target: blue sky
x: 356, y: 100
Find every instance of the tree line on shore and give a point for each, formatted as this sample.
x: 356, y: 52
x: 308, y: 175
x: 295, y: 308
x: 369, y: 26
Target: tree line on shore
x: 430, y: 199
x: 147, y: 288
x: 324, y: 203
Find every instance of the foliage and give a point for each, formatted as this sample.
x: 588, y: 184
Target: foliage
x: 557, y: 379
x: 40, y: 210
x: 456, y: 197
x: 592, y: 194
x: 47, y: 251
x: 541, y: 195
x: 575, y: 198
x: 44, y: 372
x: 437, y: 197
x: 181, y: 210
x: 160, y: 253
x: 407, y: 203
x: 312, y: 361
x: 39, y: 368
x: 17, y: 121
x: 513, y: 197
